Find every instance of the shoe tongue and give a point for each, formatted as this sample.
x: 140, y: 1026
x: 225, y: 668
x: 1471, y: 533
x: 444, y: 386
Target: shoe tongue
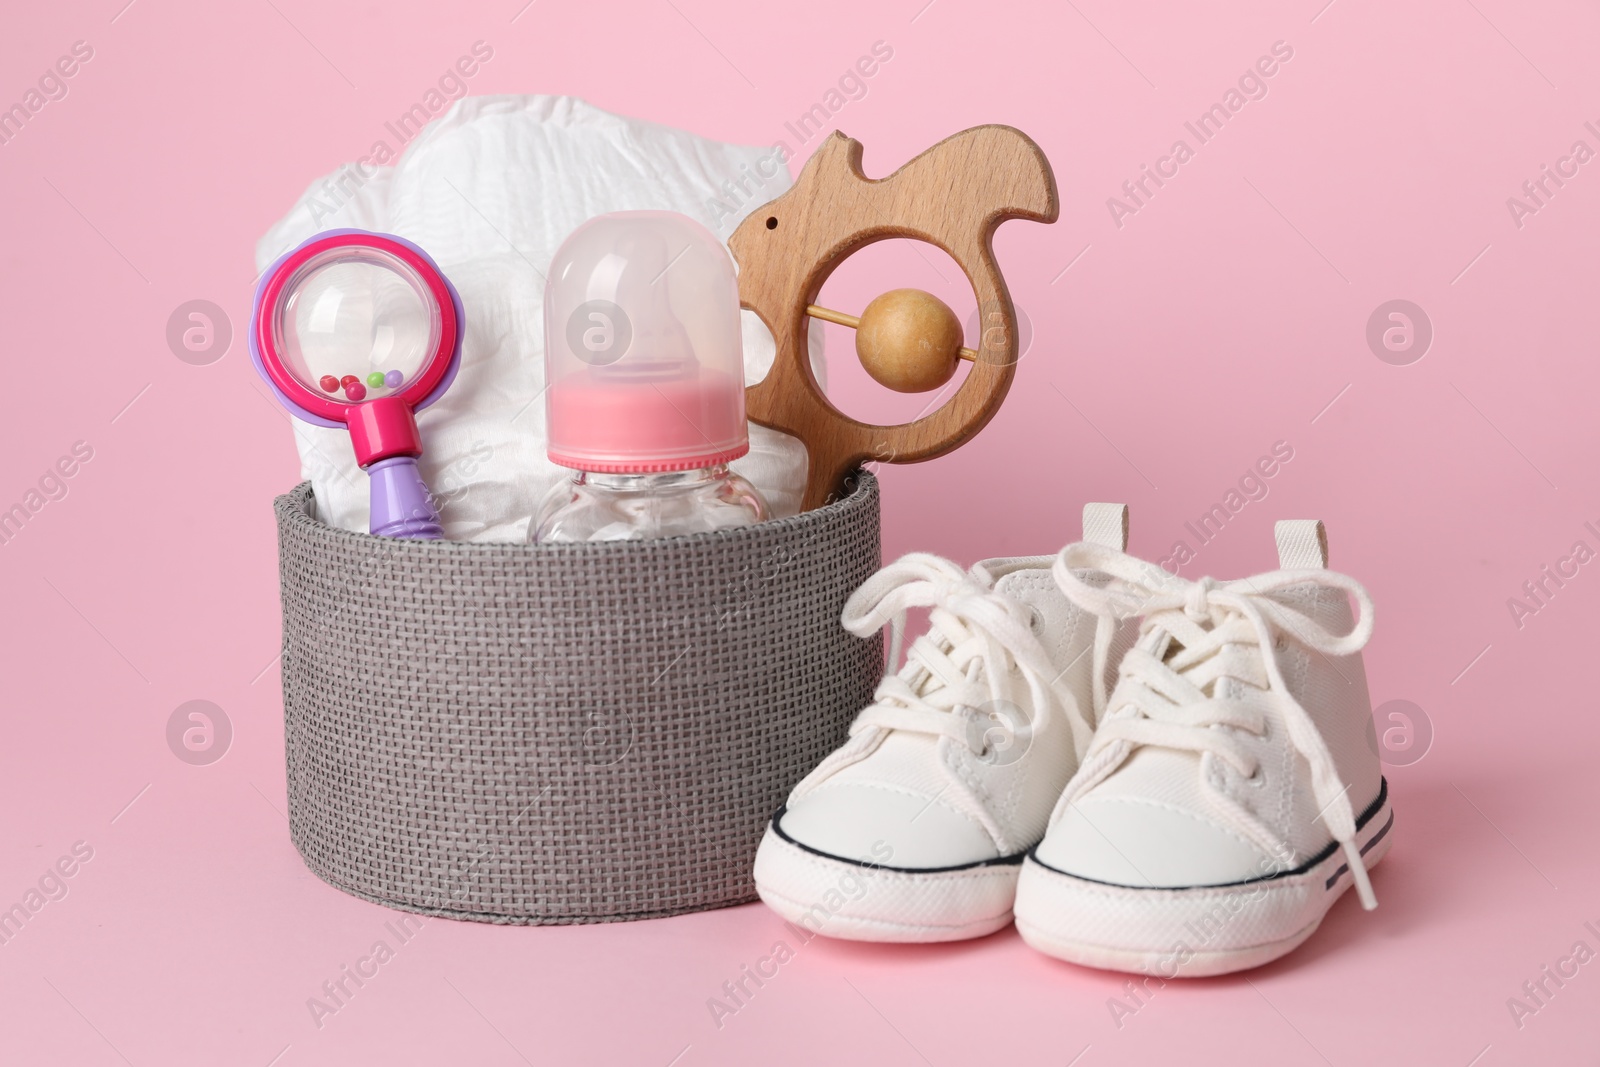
x: 1174, y: 649
x: 909, y: 753
x: 1025, y: 584
x: 1168, y: 648
x: 1014, y: 583
x: 925, y: 682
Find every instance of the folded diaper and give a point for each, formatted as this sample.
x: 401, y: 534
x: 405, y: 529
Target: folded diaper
x: 490, y: 190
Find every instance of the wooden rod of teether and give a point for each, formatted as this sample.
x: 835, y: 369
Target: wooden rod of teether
x: 854, y: 322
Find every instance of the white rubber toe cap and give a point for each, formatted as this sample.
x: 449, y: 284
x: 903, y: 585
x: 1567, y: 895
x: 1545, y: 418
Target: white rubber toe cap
x: 841, y: 898
x: 1141, y: 843
x: 877, y: 825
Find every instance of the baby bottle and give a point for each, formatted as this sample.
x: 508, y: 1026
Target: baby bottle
x: 644, y: 373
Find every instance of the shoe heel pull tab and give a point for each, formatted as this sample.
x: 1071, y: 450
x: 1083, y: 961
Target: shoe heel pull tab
x: 1106, y: 524
x: 1302, y: 544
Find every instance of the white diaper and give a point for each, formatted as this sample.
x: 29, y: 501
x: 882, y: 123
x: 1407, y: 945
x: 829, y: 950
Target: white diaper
x: 489, y: 190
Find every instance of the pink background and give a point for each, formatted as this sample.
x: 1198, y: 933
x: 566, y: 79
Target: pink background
x: 1227, y: 314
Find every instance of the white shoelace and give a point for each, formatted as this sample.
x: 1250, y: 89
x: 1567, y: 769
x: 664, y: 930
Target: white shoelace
x: 965, y: 659
x: 1170, y: 707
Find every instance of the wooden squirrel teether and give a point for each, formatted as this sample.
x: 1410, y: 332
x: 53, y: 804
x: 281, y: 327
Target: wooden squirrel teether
x: 953, y: 196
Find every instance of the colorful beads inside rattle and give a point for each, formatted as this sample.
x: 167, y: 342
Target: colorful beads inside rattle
x: 355, y: 389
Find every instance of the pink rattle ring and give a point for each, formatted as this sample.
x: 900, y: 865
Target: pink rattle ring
x: 361, y: 330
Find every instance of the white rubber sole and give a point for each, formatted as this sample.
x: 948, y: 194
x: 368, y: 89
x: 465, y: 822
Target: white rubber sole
x: 858, y: 902
x: 1187, y: 933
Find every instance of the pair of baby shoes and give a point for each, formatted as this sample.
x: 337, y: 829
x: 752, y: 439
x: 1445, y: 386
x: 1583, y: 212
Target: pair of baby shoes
x: 1145, y: 773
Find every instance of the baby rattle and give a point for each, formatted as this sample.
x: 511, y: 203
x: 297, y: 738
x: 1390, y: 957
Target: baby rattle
x: 362, y: 330
x: 953, y: 196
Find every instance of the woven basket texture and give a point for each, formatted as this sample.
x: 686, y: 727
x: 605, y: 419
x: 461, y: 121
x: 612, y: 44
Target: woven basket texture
x: 563, y: 733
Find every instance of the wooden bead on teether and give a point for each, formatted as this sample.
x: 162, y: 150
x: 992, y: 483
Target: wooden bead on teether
x: 907, y: 339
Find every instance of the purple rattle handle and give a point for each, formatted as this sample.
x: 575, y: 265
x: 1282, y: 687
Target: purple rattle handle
x: 401, y: 503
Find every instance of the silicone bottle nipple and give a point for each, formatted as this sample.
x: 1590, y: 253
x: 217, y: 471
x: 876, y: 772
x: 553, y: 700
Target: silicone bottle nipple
x: 635, y: 277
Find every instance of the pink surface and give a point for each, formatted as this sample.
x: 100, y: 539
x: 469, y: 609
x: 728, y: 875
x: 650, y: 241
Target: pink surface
x: 1172, y: 346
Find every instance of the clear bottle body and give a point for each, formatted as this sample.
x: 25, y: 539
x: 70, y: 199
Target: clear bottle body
x: 632, y: 507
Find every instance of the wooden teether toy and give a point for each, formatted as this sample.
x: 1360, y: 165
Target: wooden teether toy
x: 952, y: 196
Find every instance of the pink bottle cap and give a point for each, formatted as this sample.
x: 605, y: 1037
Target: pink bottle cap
x: 643, y: 355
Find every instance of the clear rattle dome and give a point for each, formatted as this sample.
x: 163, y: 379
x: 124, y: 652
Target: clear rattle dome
x: 356, y: 324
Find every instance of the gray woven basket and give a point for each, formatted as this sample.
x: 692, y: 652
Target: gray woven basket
x: 562, y: 733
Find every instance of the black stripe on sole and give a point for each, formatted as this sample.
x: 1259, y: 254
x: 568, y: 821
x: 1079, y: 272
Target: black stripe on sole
x: 1327, y: 850
x: 1344, y: 868
x: 998, y: 861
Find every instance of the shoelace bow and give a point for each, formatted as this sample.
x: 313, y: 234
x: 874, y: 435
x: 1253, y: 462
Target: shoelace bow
x: 1173, y: 708
x: 964, y: 659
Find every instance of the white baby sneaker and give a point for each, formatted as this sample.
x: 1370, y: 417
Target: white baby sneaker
x: 1231, y: 794
x: 915, y: 829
